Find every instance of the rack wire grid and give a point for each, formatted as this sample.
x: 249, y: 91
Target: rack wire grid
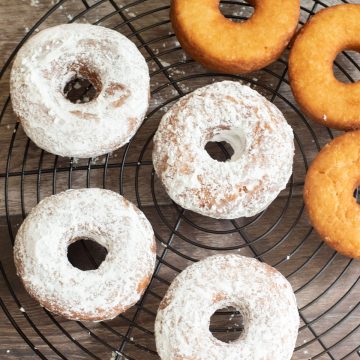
x: 326, y: 284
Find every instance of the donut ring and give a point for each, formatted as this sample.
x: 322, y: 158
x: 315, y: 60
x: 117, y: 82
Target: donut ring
x: 222, y: 45
x: 105, y: 217
x: 263, y: 296
x: 257, y: 131
x: 329, y: 187
x: 320, y: 95
x: 57, y: 55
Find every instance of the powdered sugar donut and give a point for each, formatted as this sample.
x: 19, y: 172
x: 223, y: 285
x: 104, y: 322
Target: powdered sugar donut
x: 103, y: 216
x: 257, y: 131
x: 259, y: 292
x: 57, y: 55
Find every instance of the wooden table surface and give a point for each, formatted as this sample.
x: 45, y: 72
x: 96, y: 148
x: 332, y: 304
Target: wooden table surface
x: 326, y: 284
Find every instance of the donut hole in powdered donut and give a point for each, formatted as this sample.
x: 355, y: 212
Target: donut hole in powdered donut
x: 342, y: 61
x: 220, y: 151
x: 225, y: 144
x: 82, y: 84
x: 239, y: 13
x: 226, y: 324
x: 86, y: 254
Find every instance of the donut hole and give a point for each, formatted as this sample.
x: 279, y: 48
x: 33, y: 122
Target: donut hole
x: 83, y: 86
x: 356, y: 194
x: 86, y: 254
x: 225, y: 144
x: 220, y: 151
x: 344, y: 65
x: 237, y: 13
x: 226, y: 324
x: 80, y: 91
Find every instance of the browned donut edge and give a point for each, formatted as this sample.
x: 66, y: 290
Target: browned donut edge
x: 322, y: 235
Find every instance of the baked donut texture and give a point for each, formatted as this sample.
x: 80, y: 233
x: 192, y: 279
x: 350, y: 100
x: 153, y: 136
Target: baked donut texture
x: 57, y: 55
x: 320, y: 95
x: 225, y: 46
x: 329, y: 187
x: 262, y: 295
x: 41, y: 261
x: 257, y: 131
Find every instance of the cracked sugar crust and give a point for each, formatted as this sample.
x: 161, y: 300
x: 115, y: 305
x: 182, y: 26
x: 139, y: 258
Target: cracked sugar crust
x: 42, y: 241
x: 263, y: 296
x: 55, y: 56
x: 262, y: 140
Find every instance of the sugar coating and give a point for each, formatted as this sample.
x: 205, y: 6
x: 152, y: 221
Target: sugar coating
x: 53, y: 57
x: 261, y: 294
x: 42, y: 241
x: 259, y: 169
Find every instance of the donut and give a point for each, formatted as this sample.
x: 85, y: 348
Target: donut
x: 257, y: 171
x: 223, y: 45
x: 56, y: 56
x: 320, y: 95
x: 260, y: 293
x: 104, y: 217
x: 328, y: 193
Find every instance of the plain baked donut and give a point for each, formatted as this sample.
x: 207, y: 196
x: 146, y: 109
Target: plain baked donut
x: 223, y: 45
x: 263, y: 296
x: 320, y: 95
x: 261, y: 139
x: 57, y: 55
x: 103, y: 216
x: 329, y: 194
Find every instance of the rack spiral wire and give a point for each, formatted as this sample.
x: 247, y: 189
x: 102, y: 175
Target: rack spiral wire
x: 326, y: 284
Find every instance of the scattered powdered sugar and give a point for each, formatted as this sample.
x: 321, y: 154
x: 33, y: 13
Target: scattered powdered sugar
x: 22, y: 310
x: 34, y: 3
x: 117, y: 356
x: 260, y: 293
x: 75, y: 161
x: 97, y: 214
x: 57, y: 55
x: 263, y: 146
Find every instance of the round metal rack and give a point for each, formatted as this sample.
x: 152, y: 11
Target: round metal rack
x: 326, y: 284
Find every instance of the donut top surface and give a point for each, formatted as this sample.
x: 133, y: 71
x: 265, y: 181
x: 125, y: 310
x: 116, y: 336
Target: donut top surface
x: 320, y: 94
x: 233, y: 47
x: 259, y: 292
x: 101, y: 215
x: 261, y: 139
x: 55, y: 56
x: 329, y: 194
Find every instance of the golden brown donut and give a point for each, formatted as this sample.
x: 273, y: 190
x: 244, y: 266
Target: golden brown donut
x: 223, y: 45
x: 319, y: 94
x: 329, y: 186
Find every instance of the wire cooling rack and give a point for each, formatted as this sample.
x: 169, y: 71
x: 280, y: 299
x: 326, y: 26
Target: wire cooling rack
x: 326, y: 284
